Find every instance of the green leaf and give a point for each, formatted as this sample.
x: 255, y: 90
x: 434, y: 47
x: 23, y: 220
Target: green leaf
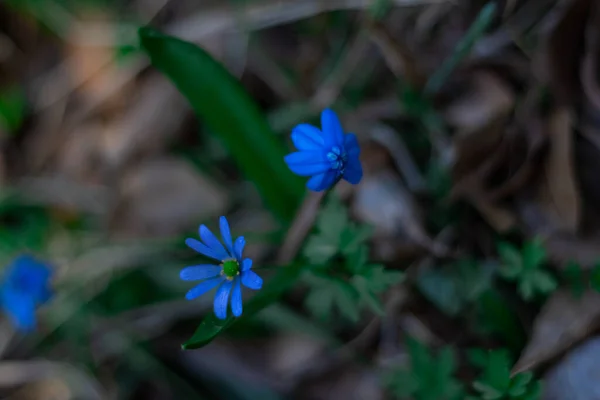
x: 575, y: 279
x: 319, y: 250
x: 211, y: 326
x: 12, y: 109
x: 534, y: 254
x: 496, y: 383
x: 527, y: 268
x: 473, y: 278
x: 353, y: 237
x: 332, y: 220
x: 346, y: 300
x: 595, y: 278
x: 512, y: 262
x: 231, y: 114
x: 402, y: 383
x: 431, y: 377
x: 368, y: 297
x: 497, y: 316
x: 440, y: 288
x: 320, y: 302
x: 544, y: 282
x: 356, y: 260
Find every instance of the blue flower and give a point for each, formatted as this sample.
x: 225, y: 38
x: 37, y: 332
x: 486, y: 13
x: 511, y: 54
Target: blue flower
x: 229, y: 275
x: 24, y: 287
x: 326, y: 155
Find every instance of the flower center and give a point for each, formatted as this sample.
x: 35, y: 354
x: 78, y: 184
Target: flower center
x: 231, y: 268
x: 337, y: 157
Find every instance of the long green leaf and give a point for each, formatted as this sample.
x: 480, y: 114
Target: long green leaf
x: 211, y: 326
x: 230, y: 113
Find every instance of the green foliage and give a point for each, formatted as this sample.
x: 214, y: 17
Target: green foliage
x: 12, y: 109
x: 454, y: 287
x: 573, y: 275
x: 495, y: 382
x: 496, y: 316
x: 231, y: 114
x: 211, y: 326
x: 595, y: 277
x: 428, y: 378
x: 579, y: 280
x: 341, y: 277
x: 526, y: 267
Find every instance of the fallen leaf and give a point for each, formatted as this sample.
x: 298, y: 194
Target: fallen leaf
x: 382, y: 201
x: 488, y: 99
x: 558, y: 194
x: 563, y: 248
x: 165, y: 197
x: 563, y: 321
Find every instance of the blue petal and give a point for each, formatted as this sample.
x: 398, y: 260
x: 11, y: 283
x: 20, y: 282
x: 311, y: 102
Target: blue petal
x: 322, y: 181
x: 236, y: 299
x: 353, y: 174
x: 29, y: 274
x: 44, y: 295
x: 333, y: 132
x: 238, y: 248
x: 20, y: 308
x: 203, y: 287
x: 211, y: 241
x: 226, y: 235
x: 307, y: 137
x: 246, y: 264
x: 202, y: 249
x: 306, y: 163
x: 221, y: 299
x: 351, y: 145
x: 251, y: 280
x: 199, y: 272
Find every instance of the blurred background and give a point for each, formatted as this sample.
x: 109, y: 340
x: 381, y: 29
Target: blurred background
x: 479, y: 125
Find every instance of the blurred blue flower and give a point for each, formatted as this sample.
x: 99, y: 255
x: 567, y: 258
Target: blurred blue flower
x: 229, y: 275
x: 326, y: 155
x: 25, y: 286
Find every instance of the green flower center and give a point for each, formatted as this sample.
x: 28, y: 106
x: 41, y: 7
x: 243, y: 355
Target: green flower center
x: 231, y: 268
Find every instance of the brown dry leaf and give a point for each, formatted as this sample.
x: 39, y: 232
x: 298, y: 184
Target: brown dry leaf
x: 93, y: 68
x: 156, y: 113
x: 558, y: 194
x: 489, y: 99
x: 476, y: 162
x: 47, y: 389
x: 382, y: 201
x: 48, y: 380
x: 165, y: 197
x: 563, y: 321
x: 563, y: 249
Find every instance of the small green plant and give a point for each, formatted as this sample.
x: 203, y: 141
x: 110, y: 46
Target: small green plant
x: 455, y: 286
x: 574, y: 277
x: 341, y: 275
x: 579, y: 281
x: 526, y: 267
x: 429, y: 377
x: 496, y: 383
x: 13, y: 106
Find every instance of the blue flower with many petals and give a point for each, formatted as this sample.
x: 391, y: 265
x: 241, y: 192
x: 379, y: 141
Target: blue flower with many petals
x: 326, y: 155
x: 229, y: 275
x: 24, y: 287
